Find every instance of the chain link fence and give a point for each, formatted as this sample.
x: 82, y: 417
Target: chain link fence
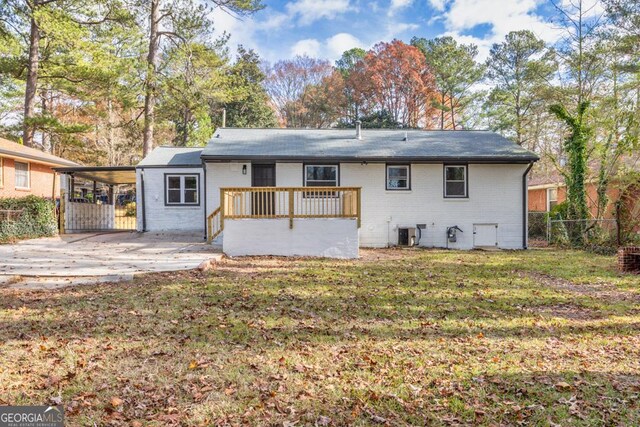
x: 600, y: 234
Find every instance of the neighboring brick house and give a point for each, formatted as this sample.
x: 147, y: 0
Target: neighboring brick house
x: 25, y: 171
x: 548, y: 190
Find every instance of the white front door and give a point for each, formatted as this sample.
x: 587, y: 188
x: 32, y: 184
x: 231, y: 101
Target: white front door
x: 485, y: 235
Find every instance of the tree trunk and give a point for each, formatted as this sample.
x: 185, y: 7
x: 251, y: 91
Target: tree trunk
x: 151, y: 79
x: 442, y: 112
x: 185, y: 129
x: 110, y: 136
x: 46, y: 107
x: 453, y: 112
x: 32, y: 82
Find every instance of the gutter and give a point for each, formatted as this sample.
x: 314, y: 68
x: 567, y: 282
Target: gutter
x: 381, y: 159
x: 525, y: 207
x: 37, y: 159
x: 142, y: 199
x: 204, y: 177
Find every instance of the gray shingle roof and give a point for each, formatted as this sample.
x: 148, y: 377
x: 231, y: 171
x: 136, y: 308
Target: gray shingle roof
x: 173, y: 156
x: 380, y: 145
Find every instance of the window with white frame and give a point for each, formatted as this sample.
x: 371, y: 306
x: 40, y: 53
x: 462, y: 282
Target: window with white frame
x: 398, y: 177
x: 321, y: 175
x: 22, y: 177
x: 182, y: 189
x: 552, y: 198
x: 455, y: 181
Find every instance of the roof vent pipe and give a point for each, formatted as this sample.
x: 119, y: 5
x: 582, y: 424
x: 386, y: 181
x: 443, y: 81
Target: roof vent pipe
x: 358, y: 129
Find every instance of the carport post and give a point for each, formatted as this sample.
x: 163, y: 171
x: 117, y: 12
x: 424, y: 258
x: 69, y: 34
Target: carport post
x: 65, y: 184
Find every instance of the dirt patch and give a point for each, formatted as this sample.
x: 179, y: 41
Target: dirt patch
x: 597, y: 290
x: 257, y: 264
x: 567, y: 311
x: 386, y: 254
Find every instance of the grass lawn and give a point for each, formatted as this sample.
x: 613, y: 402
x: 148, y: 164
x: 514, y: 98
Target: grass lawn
x: 401, y: 337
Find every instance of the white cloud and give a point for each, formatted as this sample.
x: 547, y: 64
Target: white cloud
x: 273, y: 21
x: 331, y: 48
x: 395, y: 29
x: 240, y: 29
x: 337, y: 44
x: 397, y: 5
x: 309, y: 11
x: 400, y: 4
x: 309, y: 47
x: 466, y: 14
x: 502, y: 17
x: 438, y: 4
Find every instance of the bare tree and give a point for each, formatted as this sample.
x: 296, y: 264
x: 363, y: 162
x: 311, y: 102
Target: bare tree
x: 287, y: 82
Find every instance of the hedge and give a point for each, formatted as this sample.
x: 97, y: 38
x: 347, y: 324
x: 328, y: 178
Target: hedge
x: 37, y: 220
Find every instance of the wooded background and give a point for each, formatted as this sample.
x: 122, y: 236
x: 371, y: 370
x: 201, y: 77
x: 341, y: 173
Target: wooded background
x: 103, y: 81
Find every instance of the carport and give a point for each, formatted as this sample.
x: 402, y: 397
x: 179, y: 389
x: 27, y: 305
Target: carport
x: 97, y: 198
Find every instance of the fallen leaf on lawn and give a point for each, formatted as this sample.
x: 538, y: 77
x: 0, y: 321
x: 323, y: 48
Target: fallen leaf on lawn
x: 115, y: 401
x: 323, y: 421
x: 563, y: 386
x: 193, y: 365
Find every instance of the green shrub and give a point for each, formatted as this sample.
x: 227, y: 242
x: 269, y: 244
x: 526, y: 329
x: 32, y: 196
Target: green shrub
x: 538, y: 225
x: 559, y: 211
x: 37, y: 220
x: 130, y: 209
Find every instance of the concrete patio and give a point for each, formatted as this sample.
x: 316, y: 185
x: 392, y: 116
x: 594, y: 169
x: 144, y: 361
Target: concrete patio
x: 91, y: 258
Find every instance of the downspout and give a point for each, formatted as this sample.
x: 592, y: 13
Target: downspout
x: 204, y: 177
x: 142, y: 199
x: 525, y: 207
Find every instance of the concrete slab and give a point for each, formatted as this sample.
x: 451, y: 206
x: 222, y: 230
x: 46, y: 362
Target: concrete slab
x: 72, y: 257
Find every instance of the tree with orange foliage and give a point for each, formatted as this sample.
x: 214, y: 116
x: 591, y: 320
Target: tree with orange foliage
x: 396, y: 78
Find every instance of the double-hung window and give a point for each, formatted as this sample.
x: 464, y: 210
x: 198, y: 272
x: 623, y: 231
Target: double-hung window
x: 321, y: 175
x: 398, y: 177
x: 455, y: 181
x: 22, y: 177
x: 552, y: 198
x: 182, y: 189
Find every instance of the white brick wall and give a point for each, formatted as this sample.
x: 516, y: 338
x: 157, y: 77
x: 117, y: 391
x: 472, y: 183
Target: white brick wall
x: 332, y: 237
x: 168, y: 218
x: 495, y: 196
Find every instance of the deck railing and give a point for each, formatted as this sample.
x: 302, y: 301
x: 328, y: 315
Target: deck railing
x: 286, y: 202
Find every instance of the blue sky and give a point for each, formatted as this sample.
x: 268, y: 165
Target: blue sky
x: 325, y: 28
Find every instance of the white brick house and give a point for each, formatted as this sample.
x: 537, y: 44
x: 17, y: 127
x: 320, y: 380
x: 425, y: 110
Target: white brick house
x: 378, y: 188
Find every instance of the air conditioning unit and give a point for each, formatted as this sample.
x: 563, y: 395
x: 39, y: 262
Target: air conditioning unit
x: 406, y: 236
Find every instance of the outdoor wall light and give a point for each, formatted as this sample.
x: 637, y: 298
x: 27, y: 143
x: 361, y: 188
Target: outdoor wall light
x: 244, y: 169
